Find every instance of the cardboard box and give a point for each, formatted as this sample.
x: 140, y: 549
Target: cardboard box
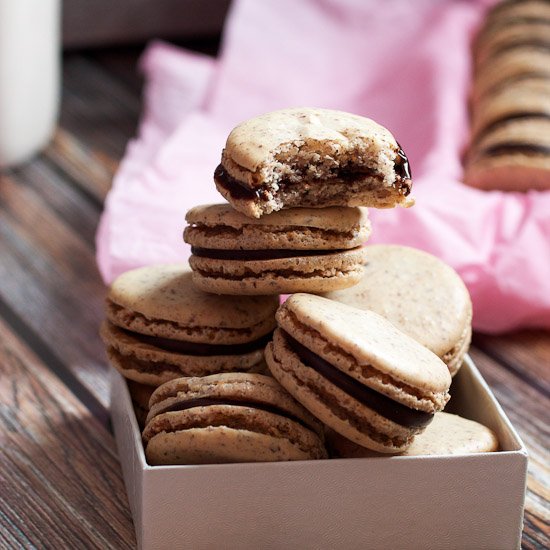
x: 467, y: 501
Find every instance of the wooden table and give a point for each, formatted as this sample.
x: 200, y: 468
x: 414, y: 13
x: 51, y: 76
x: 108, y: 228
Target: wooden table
x: 61, y: 484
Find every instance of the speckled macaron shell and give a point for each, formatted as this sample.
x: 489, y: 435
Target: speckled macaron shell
x: 148, y: 364
x: 220, y: 226
x: 448, y: 434
x: 162, y: 300
x: 502, y: 38
x: 244, y: 387
x: 306, y: 146
x: 313, y: 274
x: 509, y: 68
x: 528, y: 102
x: 258, y: 422
x: 331, y: 405
x: 421, y: 295
x: 368, y: 349
x: 514, y: 157
x: 514, y: 12
x: 391, y: 362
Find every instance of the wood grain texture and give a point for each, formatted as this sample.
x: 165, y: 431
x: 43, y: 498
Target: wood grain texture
x: 60, y: 477
x: 529, y: 411
x: 55, y: 451
x: 48, y: 275
x: 99, y: 115
x: 526, y: 352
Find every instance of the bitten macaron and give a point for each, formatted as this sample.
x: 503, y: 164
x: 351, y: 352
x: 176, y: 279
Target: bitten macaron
x: 356, y: 372
x: 307, y: 157
x: 448, y: 434
x: 420, y: 294
x: 232, y: 417
x: 160, y: 326
x: 296, y: 250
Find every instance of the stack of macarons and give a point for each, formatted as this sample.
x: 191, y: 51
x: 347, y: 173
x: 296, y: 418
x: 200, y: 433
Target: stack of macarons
x: 510, y: 107
x: 365, y: 347
x: 297, y: 182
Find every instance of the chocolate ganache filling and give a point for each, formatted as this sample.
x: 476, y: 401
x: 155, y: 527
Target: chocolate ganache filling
x: 529, y: 149
x: 197, y: 348
x: 386, y: 407
x: 209, y: 401
x: 241, y: 191
x: 501, y: 121
x: 251, y: 255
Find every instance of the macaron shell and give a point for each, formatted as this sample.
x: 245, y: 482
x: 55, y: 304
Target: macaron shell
x: 418, y: 293
x: 237, y: 387
x: 150, y: 365
x: 222, y: 227
x: 368, y: 348
x: 280, y: 276
x: 137, y: 323
x: 334, y: 407
x: 166, y: 293
x: 495, y: 110
x: 256, y: 141
x: 506, y: 37
x: 215, y: 445
x: 283, y: 434
x: 455, y: 357
x: 448, y: 434
x: 334, y: 218
x: 513, y: 172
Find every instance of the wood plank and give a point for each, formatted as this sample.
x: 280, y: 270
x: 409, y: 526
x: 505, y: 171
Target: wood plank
x: 99, y: 115
x: 529, y: 412
x: 61, y: 481
x: 527, y: 352
x: 48, y: 275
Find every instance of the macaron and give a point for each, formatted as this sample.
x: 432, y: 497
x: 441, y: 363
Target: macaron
x: 296, y: 250
x: 316, y: 158
x: 529, y: 102
x: 356, y: 372
x: 231, y: 417
x: 421, y: 295
x: 448, y: 434
x: 160, y: 326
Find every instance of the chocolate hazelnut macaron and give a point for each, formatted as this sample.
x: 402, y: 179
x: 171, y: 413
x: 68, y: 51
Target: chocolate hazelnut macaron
x: 312, y: 158
x: 448, y: 434
x: 296, y: 250
x: 232, y: 417
x: 160, y: 326
x: 420, y: 294
x: 356, y: 372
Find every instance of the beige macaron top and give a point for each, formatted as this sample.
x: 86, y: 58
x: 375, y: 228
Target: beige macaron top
x: 220, y: 226
x: 374, y: 343
x: 258, y: 142
x: 166, y: 293
x: 337, y: 218
x: 420, y: 294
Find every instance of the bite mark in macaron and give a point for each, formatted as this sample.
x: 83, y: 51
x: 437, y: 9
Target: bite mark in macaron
x: 316, y: 158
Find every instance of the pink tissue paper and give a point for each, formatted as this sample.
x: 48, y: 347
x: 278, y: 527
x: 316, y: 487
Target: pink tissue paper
x: 404, y: 64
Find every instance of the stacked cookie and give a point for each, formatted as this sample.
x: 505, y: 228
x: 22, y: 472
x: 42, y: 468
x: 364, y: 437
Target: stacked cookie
x: 510, y: 104
x: 376, y: 372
